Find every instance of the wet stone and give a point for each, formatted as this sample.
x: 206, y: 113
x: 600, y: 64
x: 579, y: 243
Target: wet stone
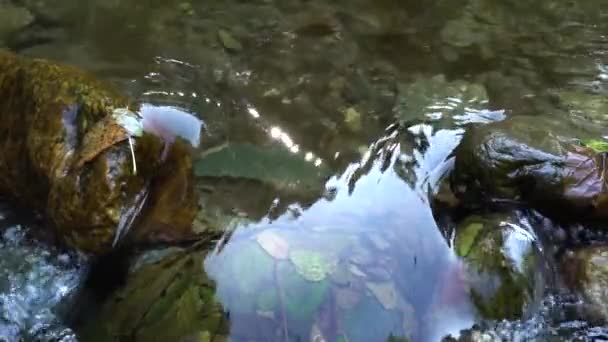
x: 503, y: 265
x: 586, y: 272
x: 533, y: 160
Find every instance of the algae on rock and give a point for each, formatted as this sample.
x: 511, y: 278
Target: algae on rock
x: 502, y: 265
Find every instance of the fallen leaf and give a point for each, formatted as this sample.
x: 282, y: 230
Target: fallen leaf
x: 228, y: 41
x: 354, y: 269
x: 273, y: 244
x: 385, y: 293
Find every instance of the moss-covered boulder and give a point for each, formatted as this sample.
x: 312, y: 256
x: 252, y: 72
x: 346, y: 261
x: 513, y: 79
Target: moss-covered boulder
x: 167, y: 300
x: 503, y: 265
x: 533, y: 160
x: 63, y: 154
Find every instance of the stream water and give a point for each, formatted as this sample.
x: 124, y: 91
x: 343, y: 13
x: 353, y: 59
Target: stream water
x: 328, y: 130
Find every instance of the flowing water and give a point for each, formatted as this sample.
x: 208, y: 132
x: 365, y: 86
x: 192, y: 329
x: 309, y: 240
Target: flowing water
x: 328, y: 128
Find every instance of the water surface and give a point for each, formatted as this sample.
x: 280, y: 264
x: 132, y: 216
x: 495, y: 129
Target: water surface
x: 342, y: 116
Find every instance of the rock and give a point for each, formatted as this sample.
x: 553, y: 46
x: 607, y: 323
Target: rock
x: 503, y: 266
x: 491, y: 32
x: 586, y: 272
x: 438, y: 99
x: 63, y: 156
x: 169, y: 300
x: 534, y: 160
x: 584, y: 106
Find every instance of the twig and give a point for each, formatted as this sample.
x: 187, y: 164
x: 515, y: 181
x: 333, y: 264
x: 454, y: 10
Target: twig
x: 132, y: 155
x: 281, y: 301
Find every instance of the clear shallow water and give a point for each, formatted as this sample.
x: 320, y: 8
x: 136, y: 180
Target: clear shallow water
x: 382, y: 233
x: 375, y: 95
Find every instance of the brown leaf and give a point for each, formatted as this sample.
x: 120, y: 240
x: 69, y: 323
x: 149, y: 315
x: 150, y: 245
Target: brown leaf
x: 585, y: 176
x: 105, y: 134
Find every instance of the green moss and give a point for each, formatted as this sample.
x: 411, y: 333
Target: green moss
x: 466, y: 238
x: 501, y: 283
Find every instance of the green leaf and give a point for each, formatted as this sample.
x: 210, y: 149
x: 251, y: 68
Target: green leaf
x: 275, y: 166
x: 311, y: 265
x: 597, y: 145
x: 302, y: 298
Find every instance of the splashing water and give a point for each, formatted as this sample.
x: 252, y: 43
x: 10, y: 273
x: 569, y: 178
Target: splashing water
x: 34, y: 283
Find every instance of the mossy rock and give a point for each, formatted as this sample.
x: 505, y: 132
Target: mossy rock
x: 169, y: 300
x: 63, y: 156
x: 502, y: 264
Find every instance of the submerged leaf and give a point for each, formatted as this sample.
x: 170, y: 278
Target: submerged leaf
x: 228, y: 41
x: 302, y: 298
x: 311, y: 265
x: 385, y: 293
x: 273, y: 244
x: 275, y: 166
